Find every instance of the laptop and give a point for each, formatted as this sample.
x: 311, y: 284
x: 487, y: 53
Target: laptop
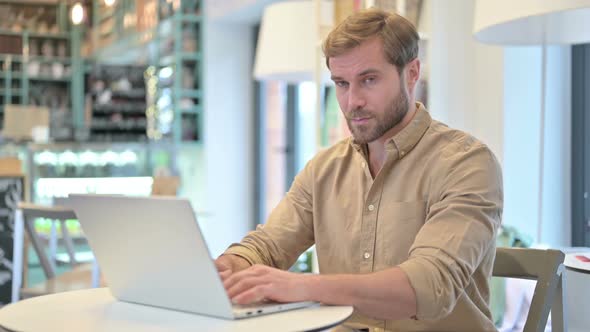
x: 152, y: 252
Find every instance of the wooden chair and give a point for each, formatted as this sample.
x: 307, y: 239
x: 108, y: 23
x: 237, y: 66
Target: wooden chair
x: 80, y: 277
x: 545, y: 266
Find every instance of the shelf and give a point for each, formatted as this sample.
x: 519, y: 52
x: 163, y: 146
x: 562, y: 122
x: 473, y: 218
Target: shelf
x: 190, y: 18
x: 66, y: 79
x: 59, y: 35
x: 102, y: 114
x: 12, y: 57
x: 190, y: 94
x: 31, y: 2
x: 34, y: 34
x: 167, y: 60
x: 138, y: 109
x: 118, y: 129
x: 129, y: 41
x: 42, y: 58
x: 170, y: 59
x: 165, y: 28
x: 192, y: 110
x: 126, y: 49
x: 20, y: 76
x: 14, y: 76
x: 105, y: 124
x: 21, y: 58
x: 132, y: 94
x: 191, y: 56
x: 10, y: 33
x: 13, y: 92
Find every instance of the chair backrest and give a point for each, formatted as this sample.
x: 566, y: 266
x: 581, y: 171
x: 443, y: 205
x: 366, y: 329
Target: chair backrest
x: 545, y: 266
x: 79, y: 277
x: 30, y: 212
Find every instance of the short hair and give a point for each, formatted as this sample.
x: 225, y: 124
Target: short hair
x: 399, y: 36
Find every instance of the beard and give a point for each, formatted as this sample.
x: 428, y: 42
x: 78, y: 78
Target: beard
x: 378, y: 124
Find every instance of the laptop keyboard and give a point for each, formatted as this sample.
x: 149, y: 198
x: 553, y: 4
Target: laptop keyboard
x: 255, y: 305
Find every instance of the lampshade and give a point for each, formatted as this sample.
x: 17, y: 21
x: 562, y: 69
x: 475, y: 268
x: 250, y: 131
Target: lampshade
x: 425, y: 21
x: 288, y: 40
x: 532, y: 22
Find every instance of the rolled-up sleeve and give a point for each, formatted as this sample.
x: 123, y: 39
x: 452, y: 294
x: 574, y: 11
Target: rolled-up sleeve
x: 288, y: 231
x: 460, y: 228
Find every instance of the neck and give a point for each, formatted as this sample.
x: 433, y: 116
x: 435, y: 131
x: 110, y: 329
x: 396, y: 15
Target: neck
x: 377, y: 153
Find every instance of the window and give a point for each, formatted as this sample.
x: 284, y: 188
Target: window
x: 581, y: 145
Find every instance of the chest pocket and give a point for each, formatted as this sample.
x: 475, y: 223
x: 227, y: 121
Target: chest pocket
x: 397, y: 226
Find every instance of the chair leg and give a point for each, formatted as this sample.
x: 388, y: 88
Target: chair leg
x: 18, y: 260
x: 95, y: 274
x: 558, y: 321
x: 48, y: 268
x: 52, y: 247
x: 69, y: 244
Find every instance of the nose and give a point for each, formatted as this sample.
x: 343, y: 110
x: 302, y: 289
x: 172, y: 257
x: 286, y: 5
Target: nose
x: 356, y: 99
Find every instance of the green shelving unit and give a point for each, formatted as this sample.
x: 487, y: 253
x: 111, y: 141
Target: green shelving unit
x: 170, y: 38
x: 187, y: 96
x: 178, y: 40
x: 34, y: 63
x: 172, y: 43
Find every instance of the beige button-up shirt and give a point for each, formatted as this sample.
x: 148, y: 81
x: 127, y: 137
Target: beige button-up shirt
x: 433, y: 210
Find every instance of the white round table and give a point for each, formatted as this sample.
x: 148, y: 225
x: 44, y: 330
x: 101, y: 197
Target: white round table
x: 577, y: 290
x: 579, y: 262
x: 98, y: 310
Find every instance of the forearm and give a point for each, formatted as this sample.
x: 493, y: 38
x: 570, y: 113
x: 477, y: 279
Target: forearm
x: 236, y: 262
x: 271, y: 246
x: 387, y: 294
x: 245, y: 252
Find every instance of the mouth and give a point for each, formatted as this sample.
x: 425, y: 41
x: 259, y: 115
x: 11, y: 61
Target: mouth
x: 360, y: 121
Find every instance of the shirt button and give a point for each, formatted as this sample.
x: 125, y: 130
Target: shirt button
x: 438, y: 292
x: 367, y: 255
x: 403, y: 153
x: 363, y: 164
x: 371, y: 207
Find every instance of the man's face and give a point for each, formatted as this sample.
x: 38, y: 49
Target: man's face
x: 370, y: 91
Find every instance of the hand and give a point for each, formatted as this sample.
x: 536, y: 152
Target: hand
x: 261, y: 282
x: 228, y: 264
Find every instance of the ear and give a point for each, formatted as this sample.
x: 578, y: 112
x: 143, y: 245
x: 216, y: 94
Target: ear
x: 412, y: 75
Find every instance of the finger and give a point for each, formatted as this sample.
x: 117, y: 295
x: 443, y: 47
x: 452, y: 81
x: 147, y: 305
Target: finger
x: 236, y: 277
x: 221, y: 266
x: 252, y: 295
x: 225, y: 274
x: 245, y: 284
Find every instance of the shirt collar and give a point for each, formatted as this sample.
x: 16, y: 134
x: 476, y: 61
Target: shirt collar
x: 408, y: 137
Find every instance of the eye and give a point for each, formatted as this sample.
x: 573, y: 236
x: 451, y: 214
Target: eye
x: 342, y: 84
x: 369, y: 80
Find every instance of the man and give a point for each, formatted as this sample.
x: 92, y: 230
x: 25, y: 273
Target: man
x: 403, y: 215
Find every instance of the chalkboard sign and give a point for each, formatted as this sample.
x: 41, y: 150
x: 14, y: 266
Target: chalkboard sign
x: 11, y: 192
